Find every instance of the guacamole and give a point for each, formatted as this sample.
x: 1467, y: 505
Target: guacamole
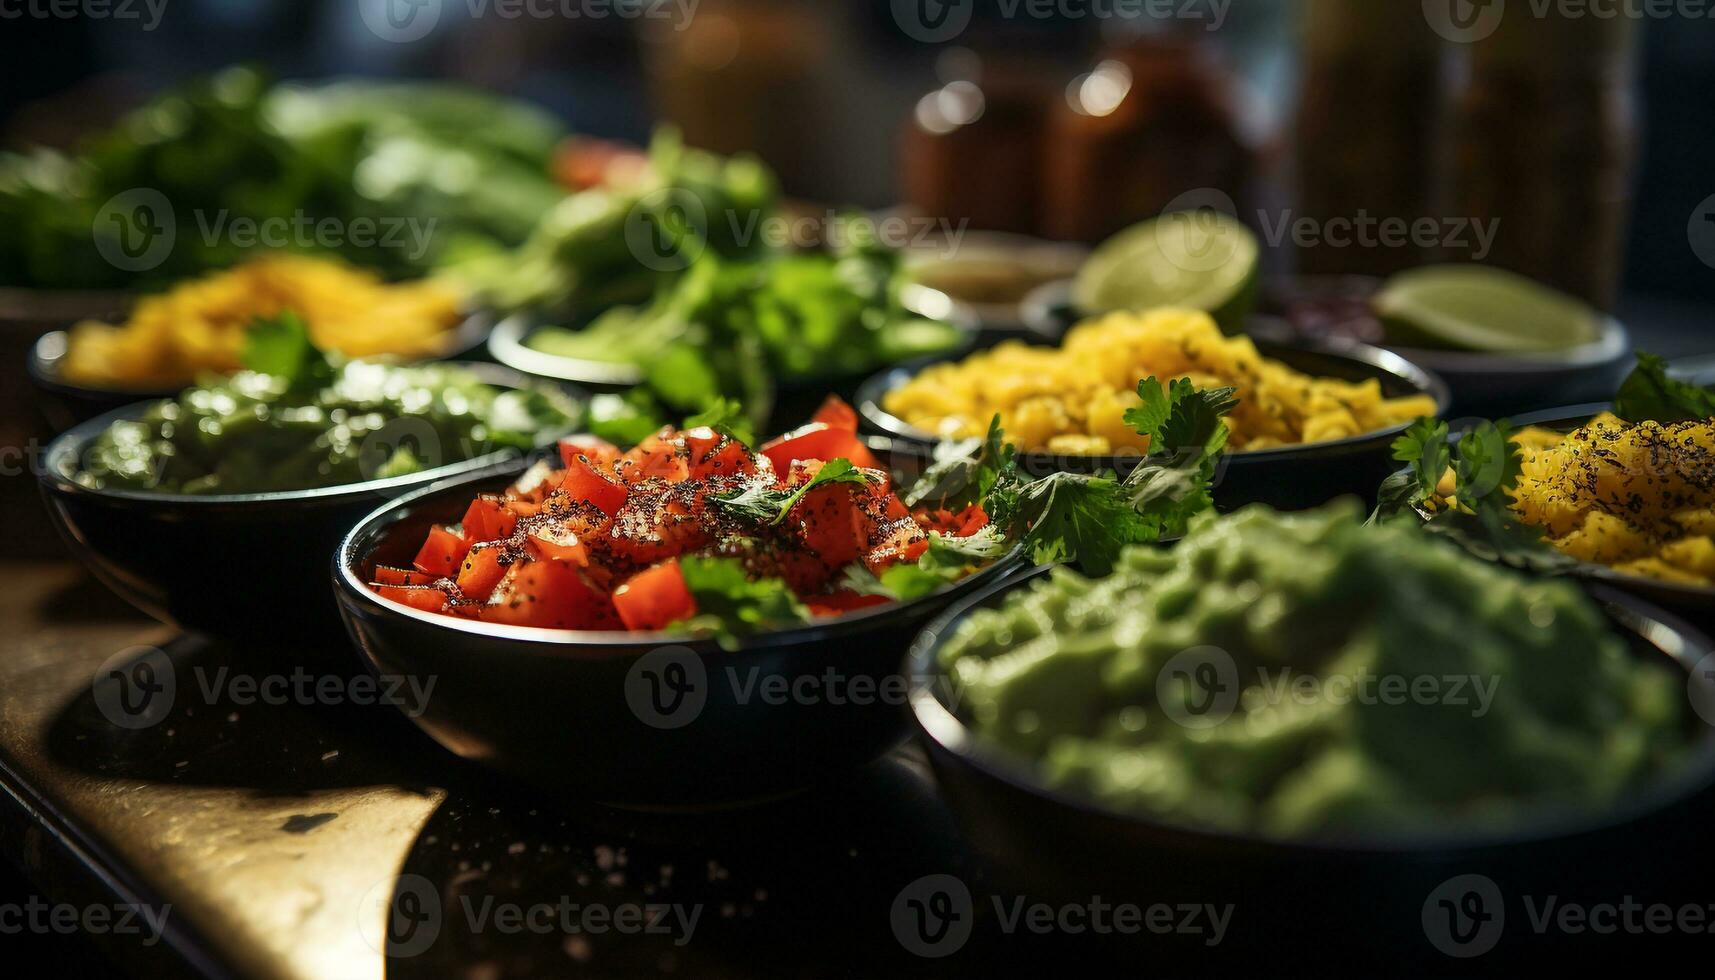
x: 1296, y: 675
x: 352, y: 422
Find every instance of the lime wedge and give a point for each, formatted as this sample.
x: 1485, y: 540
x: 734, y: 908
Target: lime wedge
x: 1478, y: 308
x: 1201, y: 260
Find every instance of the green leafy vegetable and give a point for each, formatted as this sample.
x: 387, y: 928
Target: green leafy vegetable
x: 731, y: 605
x: 282, y: 347
x: 759, y: 500
x: 965, y: 472
x: 1649, y: 395
x: 725, y: 416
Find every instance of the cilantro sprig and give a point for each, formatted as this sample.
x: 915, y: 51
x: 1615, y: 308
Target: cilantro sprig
x: 282, y: 347
x: 732, y: 605
x: 1649, y: 395
x: 1484, y: 463
x: 760, y: 501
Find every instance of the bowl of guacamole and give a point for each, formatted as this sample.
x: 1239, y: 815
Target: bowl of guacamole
x: 1307, y: 687
x: 220, y: 509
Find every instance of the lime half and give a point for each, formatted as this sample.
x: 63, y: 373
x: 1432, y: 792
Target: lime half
x: 1201, y: 260
x: 1482, y: 309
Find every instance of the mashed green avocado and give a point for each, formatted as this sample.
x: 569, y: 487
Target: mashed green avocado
x: 1303, y: 674
x: 257, y: 432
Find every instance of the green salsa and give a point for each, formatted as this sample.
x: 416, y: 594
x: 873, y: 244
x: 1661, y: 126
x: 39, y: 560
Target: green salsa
x: 257, y: 432
x: 1296, y: 675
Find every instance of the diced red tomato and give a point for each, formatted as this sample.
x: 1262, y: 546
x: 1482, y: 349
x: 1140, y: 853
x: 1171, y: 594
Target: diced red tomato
x: 554, y: 541
x: 388, y: 575
x: 481, y: 571
x: 442, y: 553
x: 416, y: 596
x: 818, y: 440
x: 842, y: 602
x: 487, y: 519
x: 657, y: 457
x: 834, y: 526
x: 551, y: 595
x: 712, y: 454
x: 836, y: 414
x: 582, y: 481
x: 903, y: 540
x: 655, y: 597
x: 599, y: 452
x: 655, y: 524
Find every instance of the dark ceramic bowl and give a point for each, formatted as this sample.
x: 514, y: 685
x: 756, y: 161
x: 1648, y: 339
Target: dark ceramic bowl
x: 250, y: 566
x: 795, y: 400
x: 1695, y: 602
x: 63, y: 404
x: 1286, y: 477
x: 1057, y: 844
x: 636, y: 719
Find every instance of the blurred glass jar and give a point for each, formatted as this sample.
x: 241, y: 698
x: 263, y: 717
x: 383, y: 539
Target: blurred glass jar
x: 971, y: 149
x: 1368, y: 106
x: 1156, y: 118
x: 1543, y: 131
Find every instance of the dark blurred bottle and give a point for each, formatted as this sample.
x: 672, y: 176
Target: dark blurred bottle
x: 1543, y: 129
x: 1366, y: 126
x: 971, y: 149
x: 1157, y: 117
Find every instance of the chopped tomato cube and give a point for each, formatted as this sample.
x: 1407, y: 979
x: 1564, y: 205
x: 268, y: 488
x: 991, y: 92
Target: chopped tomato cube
x: 655, y: 597
x: 833, y: 525
x: 555, y: 541
x: 388, y: 575
x: 660, y: 456
x: 902, y: 540
x: 818, y: 440
x: 481, y: 570
x: 442, y: 553
x: 842, y: 602
x: 551, y: 595
x: 416, y: 596
x: 712, y: 454
x: 836, y: 414
x: 599, y: 452
x: 487, y: 519
x: 582, y: 481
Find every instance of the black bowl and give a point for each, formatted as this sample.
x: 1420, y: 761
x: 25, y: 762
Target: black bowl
x: 636, y: 719
x: 63, y: 404
x: 1287, y: 477
x: 794, y: 399
x: 1061, y: 845
x: 248, y: 566
x: 1695, y: 602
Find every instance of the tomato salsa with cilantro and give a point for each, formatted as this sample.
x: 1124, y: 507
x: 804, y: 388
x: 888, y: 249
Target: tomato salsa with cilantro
x: 691, y: 529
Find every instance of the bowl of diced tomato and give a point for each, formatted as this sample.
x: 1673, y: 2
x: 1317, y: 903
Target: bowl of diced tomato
x: 686, y: 622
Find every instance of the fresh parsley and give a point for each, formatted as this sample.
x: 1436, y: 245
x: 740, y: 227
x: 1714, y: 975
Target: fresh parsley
x: 1649, y: 395
x: 965, y: 472
x: 759, y: 500
x: 730, y: 604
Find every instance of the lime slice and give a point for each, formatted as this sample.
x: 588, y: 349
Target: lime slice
x: 1201, y: 260
x: 1483, y: 309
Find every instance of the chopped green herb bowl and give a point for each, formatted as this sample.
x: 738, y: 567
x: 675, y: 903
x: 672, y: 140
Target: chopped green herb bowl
x: 237, y: 565
x: 638, y: 718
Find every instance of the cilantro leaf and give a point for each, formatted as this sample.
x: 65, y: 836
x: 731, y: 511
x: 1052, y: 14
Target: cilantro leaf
x: 1649, y: 395
x: 727, y: 416
x: 1187, y: 433
x: 965, y: 472
x: 282, y: 347
x: 946, y: 561
x: 730, y: 604
x: 1181, y: 417
x: 1086, y: 520
x: 758, y: 500
x: 1424, y: 446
